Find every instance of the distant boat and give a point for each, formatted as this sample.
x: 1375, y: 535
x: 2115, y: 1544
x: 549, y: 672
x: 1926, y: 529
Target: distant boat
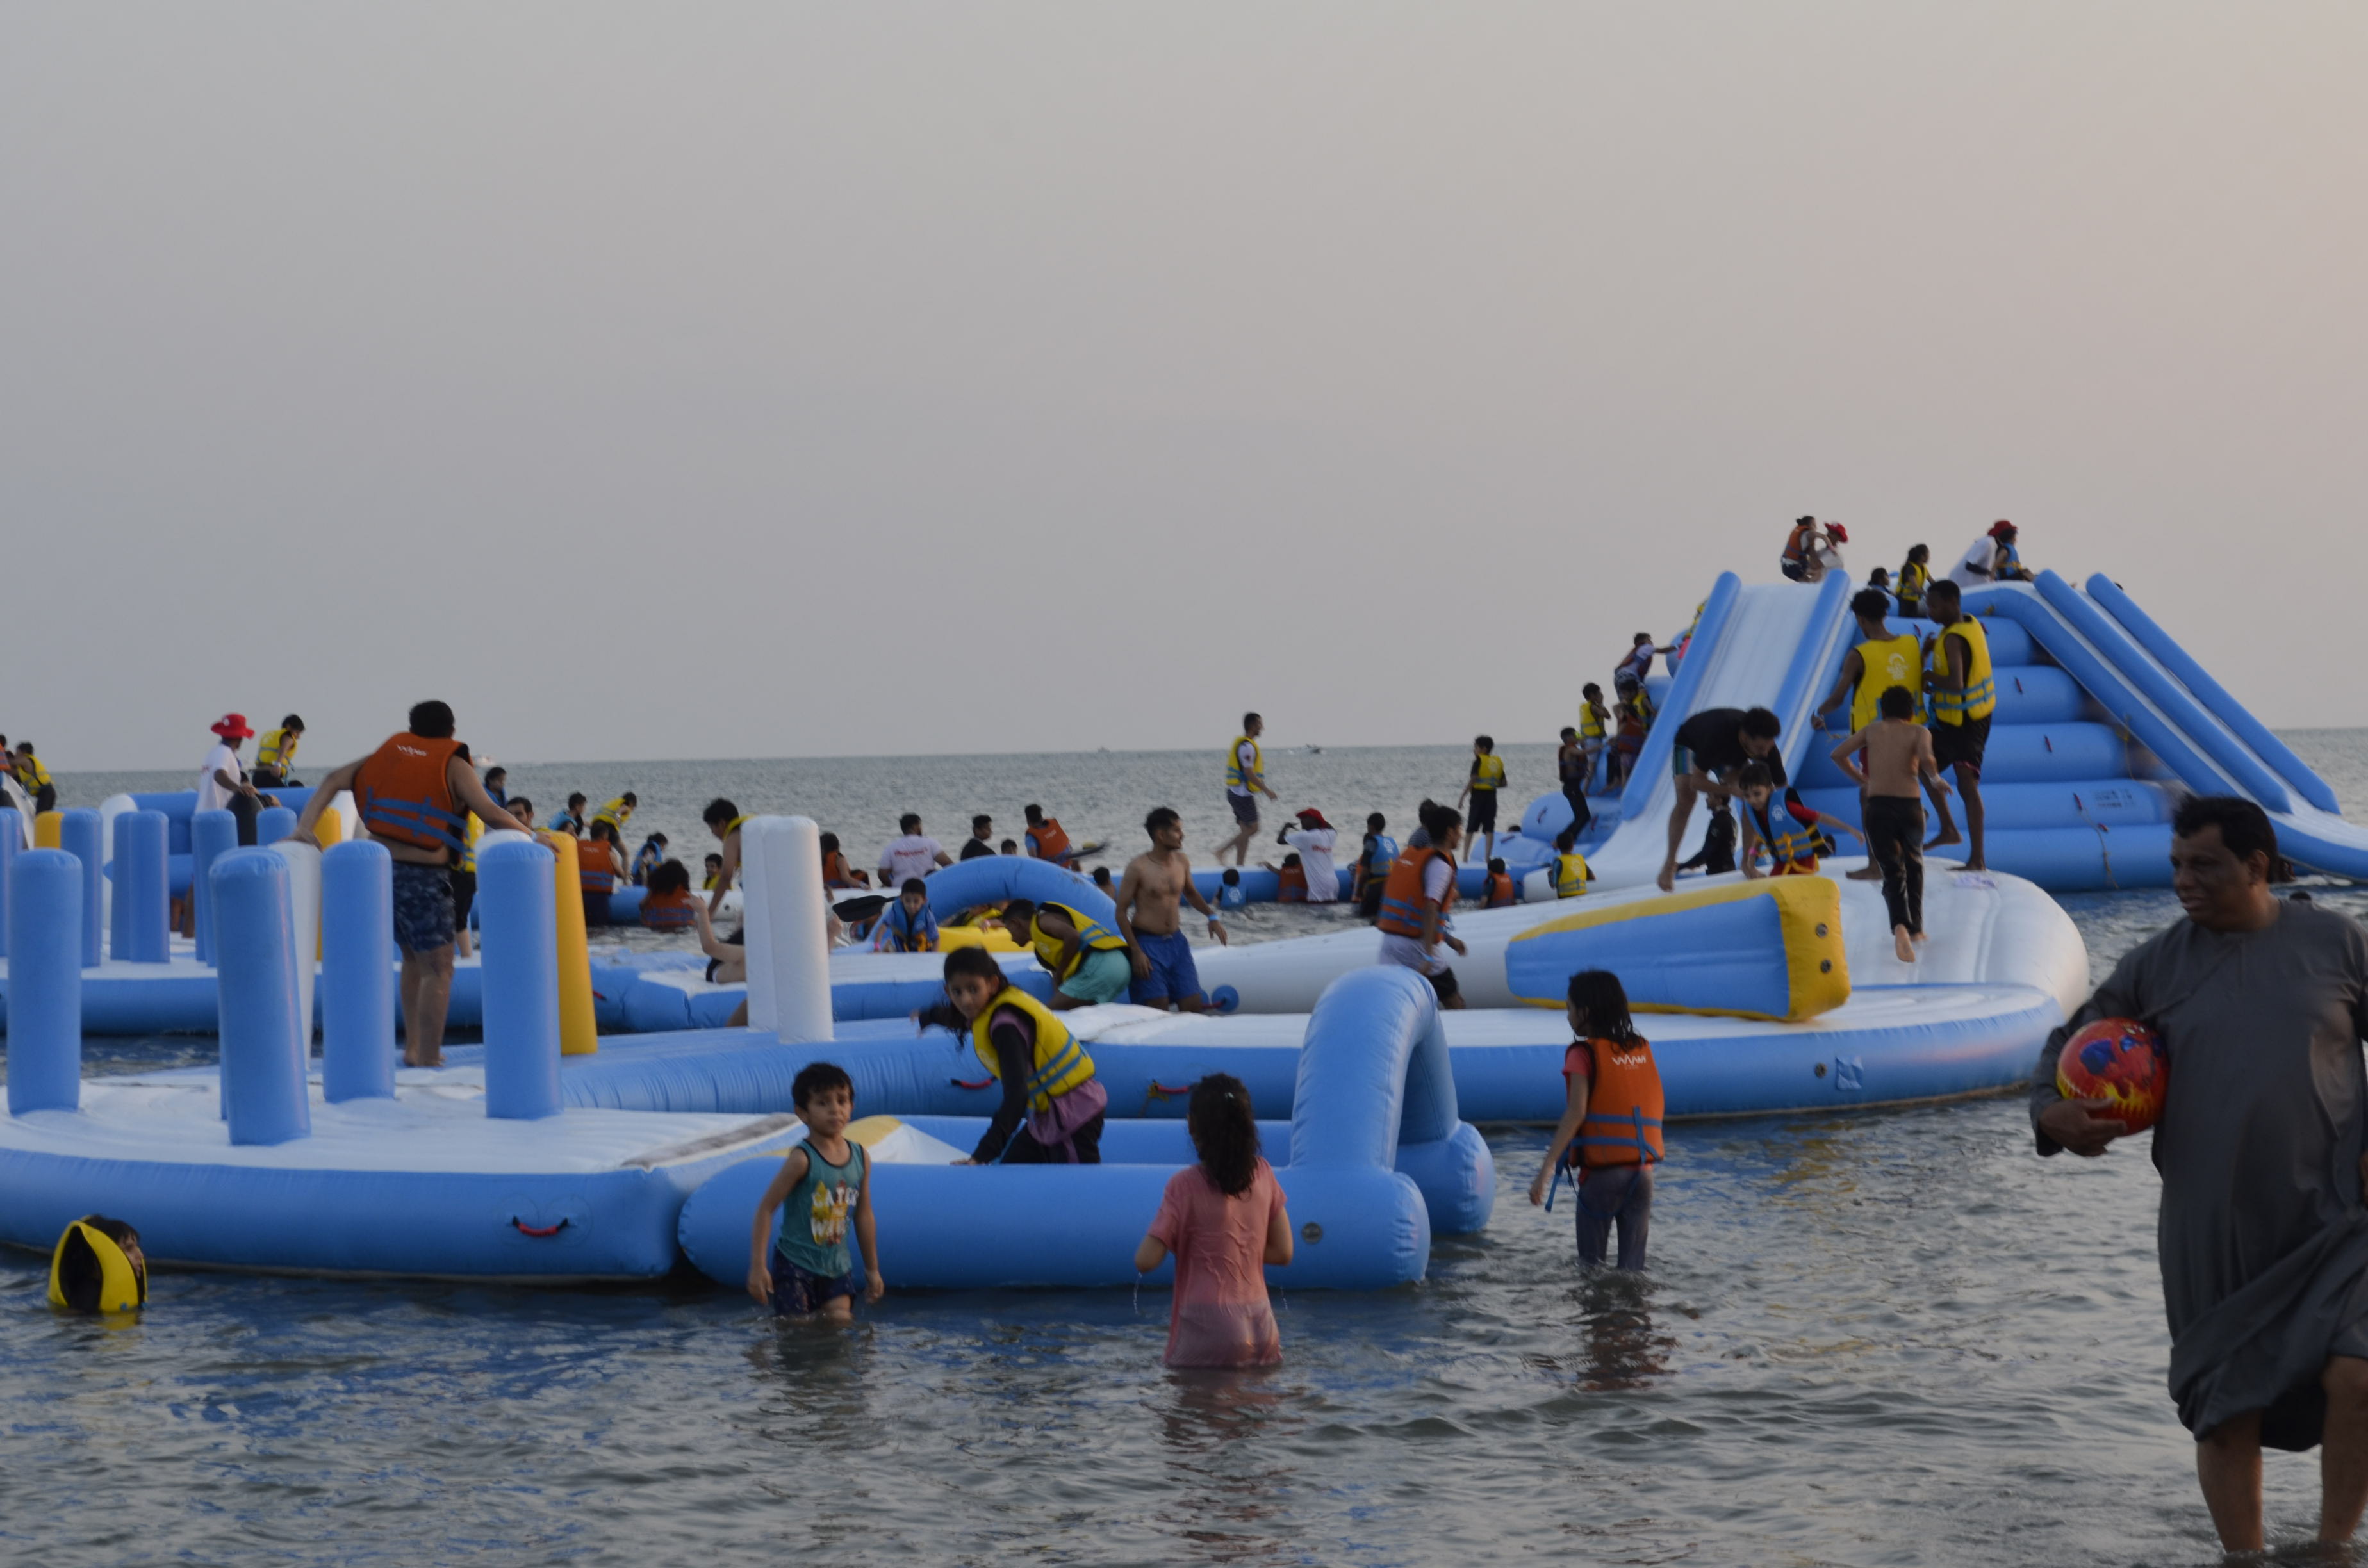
x: 1315, y: 751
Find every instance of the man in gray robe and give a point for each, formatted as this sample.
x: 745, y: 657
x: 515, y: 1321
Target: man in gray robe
x: 2261, y: 1003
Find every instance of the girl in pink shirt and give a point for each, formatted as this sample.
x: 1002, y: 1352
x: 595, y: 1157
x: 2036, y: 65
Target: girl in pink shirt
x: 1224, y: 1220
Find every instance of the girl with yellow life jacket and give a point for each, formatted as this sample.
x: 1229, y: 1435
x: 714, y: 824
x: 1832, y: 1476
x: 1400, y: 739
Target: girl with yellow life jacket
x: 274, y: 759
x: 1915, y: 577
x: 1085, y: 958
x: 1053, y: 1105
x: 1570, y: 868
x: 1611, y: 1128
x: 1415, y: 901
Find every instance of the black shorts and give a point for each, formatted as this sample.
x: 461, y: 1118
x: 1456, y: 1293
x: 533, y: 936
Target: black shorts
x: 1797, y: 571
x: 1443, y: 982
x: 1482, y: 818
x: 1244, y: 808
x: 465, y: 896
x: 1961, y: 746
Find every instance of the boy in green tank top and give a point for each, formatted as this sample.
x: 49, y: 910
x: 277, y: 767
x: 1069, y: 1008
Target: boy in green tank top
x: 826, y: 1182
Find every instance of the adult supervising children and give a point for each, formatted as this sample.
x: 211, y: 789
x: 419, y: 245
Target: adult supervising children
x: 1150, y: 918
x: 1711, y: 747
x: 223, y: 784
x: 1245, y: 782
x: 411, y: 794
x: 1416, y: 900
x: 1887, y: 760
x: 1315, y: 840
x: 1480, y: 786
x: 1961, y: 695
x: 1611, y: 1128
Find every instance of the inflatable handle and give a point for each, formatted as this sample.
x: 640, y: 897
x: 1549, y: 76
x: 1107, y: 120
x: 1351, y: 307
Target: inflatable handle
x: 998, y: 879
x: 972, y: 1083
x: 538, y: 1232
x: 1374, y: 1072
x: 1654, y: 760
x: 44, y: 982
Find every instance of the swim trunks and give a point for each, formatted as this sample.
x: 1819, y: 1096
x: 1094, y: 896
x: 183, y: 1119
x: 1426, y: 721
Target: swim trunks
x: 1244, y: 808
x: 1483, y: 817
x: 1961, y: 746
x: 422, y: 907
x: 799, y: 1292
x: 1103, y: 977
x: 1173, y: 977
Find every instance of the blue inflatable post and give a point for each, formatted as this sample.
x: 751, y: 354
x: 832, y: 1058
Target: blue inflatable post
x: 78, y: 836
x: 12, y: 840
x: 273, y: 824
x: 521, y: 979
x: 144, y: 897
x: 45, y: 983
x: 211, y: 835
x: 118, y: 908
x: 263, y: 1047
x: 356, y: 980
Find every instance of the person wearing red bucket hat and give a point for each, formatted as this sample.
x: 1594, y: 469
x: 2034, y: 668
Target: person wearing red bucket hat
x: 1314, y: 839
x: 1809, y: 552
x: 223, y: 784
x: 1991, y: 559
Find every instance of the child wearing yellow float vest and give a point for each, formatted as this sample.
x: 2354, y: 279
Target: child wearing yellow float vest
x: 1594, y: 727
x: 908, y: 926
x: 1570, y: 868
x: 723, y: 819
x: 35, y: 779
x: 97, y: 1268
x: 618, y: 813
x: 1879, y: 661
x: 1915, y: 579
x: 1500, y: 892
x: 1959, y: 697
x: 1224, y: 1220
x: 274, y: 759
x: 1052, y: 1104
x: 824, y: 1184
x: 713, y: 868
x: 1610, y: 1127
x: 668, y: 905
x: 1791, y: 833
x: 1486, y: 777
x: 1085, y: 958
x: 1896, y: 753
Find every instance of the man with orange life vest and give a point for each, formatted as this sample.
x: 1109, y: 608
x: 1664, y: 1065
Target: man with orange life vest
x: 1416, y: 899
x: 1878, y: 663
x: 1085, y: 958
x: 1610, y: 1127
x: 599, y: 866
x: 1046, y: 841
x: 1053, y: 1105
x: 835, y: 871
x: 1961, y: 695
x: 410, y: 794
x: 1290, y: 880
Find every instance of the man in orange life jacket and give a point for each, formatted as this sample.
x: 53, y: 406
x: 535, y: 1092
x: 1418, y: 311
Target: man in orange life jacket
x: 411, y: 794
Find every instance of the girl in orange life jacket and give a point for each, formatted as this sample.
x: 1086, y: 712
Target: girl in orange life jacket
x: 599, y: 866
x: 1416, y: 899
x: 835, y: 871
x: 1610, y: 1127
x: 669, y: 905
x: 1501, y: 893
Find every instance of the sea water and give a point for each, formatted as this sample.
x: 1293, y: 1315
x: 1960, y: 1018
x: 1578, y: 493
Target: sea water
x: 1892, y: 1337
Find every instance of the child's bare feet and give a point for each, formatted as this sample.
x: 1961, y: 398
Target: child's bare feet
x: 1903, y: 944
x: 1948, y: 834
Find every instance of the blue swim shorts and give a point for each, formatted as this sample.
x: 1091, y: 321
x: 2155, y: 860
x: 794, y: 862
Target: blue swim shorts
x: 422, y: 907
x: 800, y: 1292
x: 1103, y: 977
x: 1173, y: 977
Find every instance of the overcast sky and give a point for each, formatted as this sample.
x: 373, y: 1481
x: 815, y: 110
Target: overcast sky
x: 727, y: 380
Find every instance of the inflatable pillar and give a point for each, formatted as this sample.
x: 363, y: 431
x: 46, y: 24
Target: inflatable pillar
x: 78, y: 836
x: 45, y: 983
x: 797, y: 927
x: 45, y: 829
x: 211, y: 835
x: 273, y: 824
x: 579, y: 1030
x: 357, y: 980
x: 11, y: 843
x: 329, y: 827
x: 757, y: 924
x: 143, y: 898
x: 118, y: 908
x: 263, y: 1089
x: 304, y: 926
x: 523, y: 992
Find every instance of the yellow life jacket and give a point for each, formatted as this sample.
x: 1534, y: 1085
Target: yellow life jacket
x: 278, y: 751
x: 31, y: 774
x: 1979, y: 699
x: 1913, y: 580
x: 121, y: 1286
x: 1893, y: 661
x: 1060, y: 1062
x: 1093, y: 938
x: 1234, y: 778
x: 1590, y: 726
x: 616, y: 814
x: 1488, y: 772
x: 469, y: 843
x: 1570, y: 875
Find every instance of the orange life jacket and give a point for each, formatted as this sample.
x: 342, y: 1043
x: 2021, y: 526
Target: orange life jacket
x: 1623, y: 1108
x: 1050, y: 843
x: 1796, y: 547
x: 1402, y: 895
x: 835, y: 873
x: 1292, y: 886
x: 404, y: 796
x: 596, y: 867
x: 1500, y: 891
x: 669, y: 911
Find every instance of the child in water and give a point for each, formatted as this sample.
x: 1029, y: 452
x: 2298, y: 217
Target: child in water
x: 1610, y: 1127
x: 1230, y: 894
x: 1501, y: 893
x: 1223, y: 1219
x: 826, y: 1182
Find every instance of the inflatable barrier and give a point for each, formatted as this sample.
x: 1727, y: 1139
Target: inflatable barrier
x: 1764, y: 949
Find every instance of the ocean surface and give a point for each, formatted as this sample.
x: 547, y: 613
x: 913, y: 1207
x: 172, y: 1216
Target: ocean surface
x: 1893, y: 1337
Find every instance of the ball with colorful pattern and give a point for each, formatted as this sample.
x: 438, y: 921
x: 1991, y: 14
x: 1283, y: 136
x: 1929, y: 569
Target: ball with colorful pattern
x: 2120, y: 1060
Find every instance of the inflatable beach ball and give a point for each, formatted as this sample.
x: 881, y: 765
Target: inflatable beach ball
x: 2119, y: 1060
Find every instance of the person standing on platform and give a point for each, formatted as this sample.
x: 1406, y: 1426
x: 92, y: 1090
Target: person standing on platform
x: 1594, y: 728
x: 1572, y: 763
x: 274, y: 759
x: 1915, y: 579
x: 1482, y: 785
x: 1878, y: 663
x: 223, y: 784
x: 1962, y: 695
x: 1245, y: 782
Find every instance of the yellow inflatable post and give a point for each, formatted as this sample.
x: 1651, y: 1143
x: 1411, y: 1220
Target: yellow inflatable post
x: 47, y: 826
x: 330, y: 829
x: 579, y: 1031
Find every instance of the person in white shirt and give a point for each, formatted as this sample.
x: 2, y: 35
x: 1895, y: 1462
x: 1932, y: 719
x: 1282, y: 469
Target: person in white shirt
x: 1991, y: 559
x: 915, y: 855
x: 223, y: 784
x: 1314, y: 839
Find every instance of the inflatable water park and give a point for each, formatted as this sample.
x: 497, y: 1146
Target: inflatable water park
x: 612, y: 1125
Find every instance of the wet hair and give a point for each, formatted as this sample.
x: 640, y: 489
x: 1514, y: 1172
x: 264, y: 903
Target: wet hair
x: 1231, y: 877
x: 1897, y: 702
x: 1598, y: 993
x: 1757, y: 774
x: 1942, y: 588
x: 976, y: 962
x: 1565, y: 841
x: 1161, y: 816
x: 1376, y: 822
x: 1225, y: 1132
x: 670, y: 876
x: 818, y: 1078
x: 1018, y: 915
x: 1873, y: 603
x: 293, y: 722
x: 1033, y: 813
x: 1438, y: 821
x: 1486, y: 743
x: 909, y: 822
x: 1496, y: 866
x: 979, y: 821
x: 1248, y: 719
x: 1760, y: 721
x: 914, y: 884
x: 719, y: 811
x: 432, y: 719
x: 2244, y: 827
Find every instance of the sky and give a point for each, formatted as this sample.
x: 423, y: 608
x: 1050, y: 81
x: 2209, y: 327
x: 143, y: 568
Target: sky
x: 790, y: 379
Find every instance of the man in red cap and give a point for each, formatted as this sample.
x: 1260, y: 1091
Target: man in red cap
x: 223, y: 784
x: 1314, y: 839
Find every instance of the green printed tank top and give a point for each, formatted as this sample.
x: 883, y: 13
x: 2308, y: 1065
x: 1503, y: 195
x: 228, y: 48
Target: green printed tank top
x: 821, y: 1212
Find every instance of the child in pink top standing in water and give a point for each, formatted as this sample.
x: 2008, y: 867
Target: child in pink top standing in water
x: 1224, y: 1220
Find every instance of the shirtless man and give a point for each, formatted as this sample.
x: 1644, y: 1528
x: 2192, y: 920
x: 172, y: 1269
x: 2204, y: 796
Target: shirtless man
x: 1151, y: 921
x: 1898, y: 755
